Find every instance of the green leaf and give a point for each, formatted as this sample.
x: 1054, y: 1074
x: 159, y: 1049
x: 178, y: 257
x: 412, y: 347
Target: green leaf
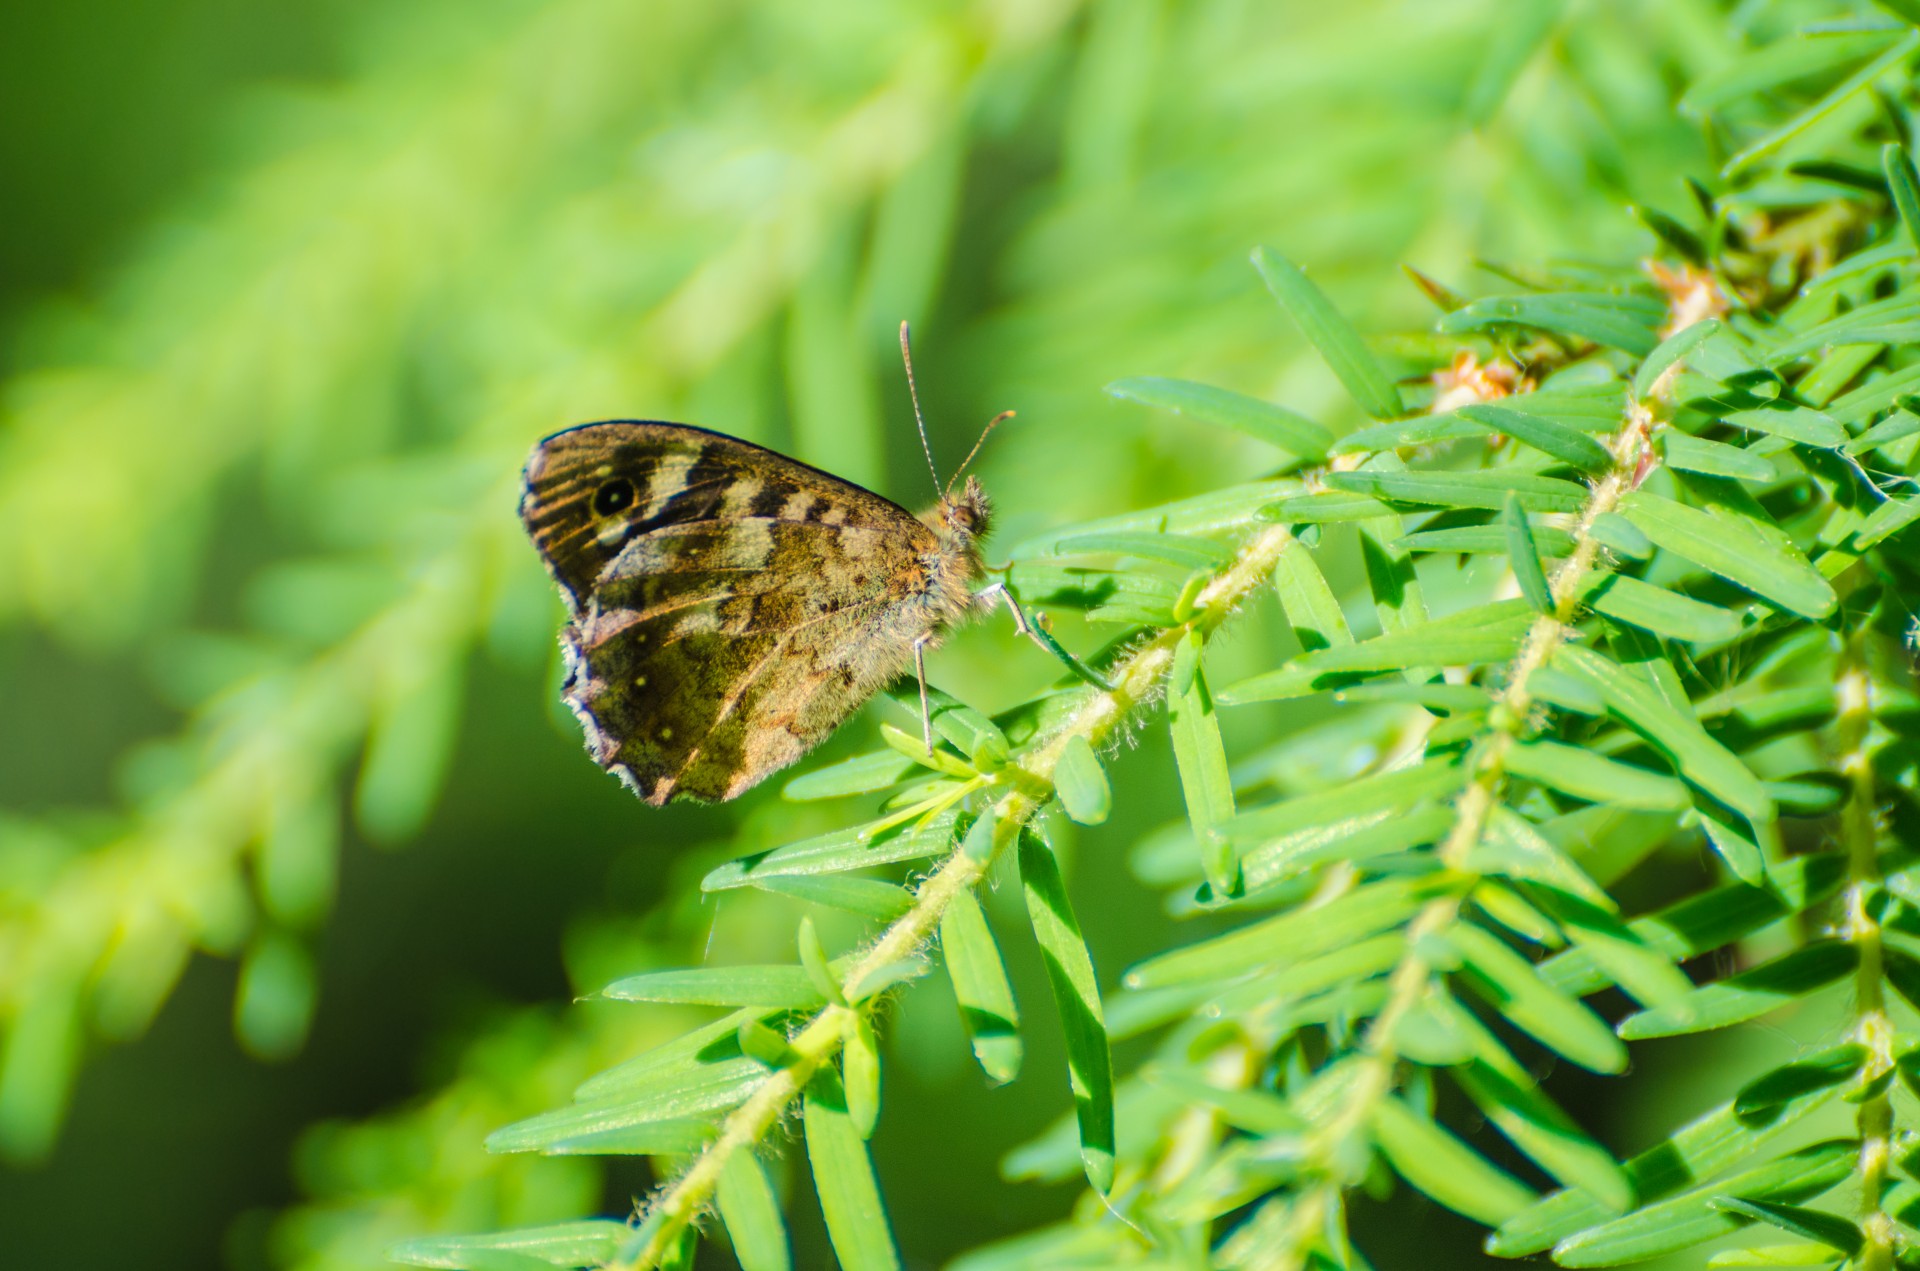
x: 1747, y: 995
x: 1617, y: 532
x: 1736, y: 848
x: 1904, y: 187
x: 1580, y: 772
x: 1885, y: 521
x: 1077, y: 995
x: 1623, y: 322
x: 1511, y: 985
x: 1216, y: 512
x: 1691, y: 1218
x: 751, y: 1213
x: 838, y: 852
x: 1279, y: 859
x: 1544, y: 435
x: 1519, y: 850
x: 1741, y: 550
x: 691, y: 1060
x: 1436, y: 697
x: 1903, y: 972
x: 1895, y: 427
x: 1488, y: 489
x: 1537, y: 1126
x: 1380, y: 792
x: 1315, y: 615
x: 980, y: 984
x: 1671, y: 352
x: 1201, y: 759
x: 1568, y: 692
x: 1255, y: 1111
x: 972, y: 733
x: 1337, y: 969
x: 862, y: 774
x: 1447, y: 642
x: 1082, y: 782
x: 1491, y: 539
x: 1794, y: 1254
x: 1699, y: 757
x: 1716, y: 917
x: 1697, y: 1151
x: 1183, y: 550
x: 1853, y: 85
x: 1445, y: 1169
x: 673, y: 1118
x: 1525, y: 557
x: 642, y: 1138
x: 1808, y: 1224
x: 1660, y: 611
x: 1275, y: 425
x: 813, y: 960
x: 860, y: 1069
x: 1834, y: 1066
x: 789, y: 986
x: 1798, y: 424
x: 1323, y: 509
x: 1330, y: 333
x: 1421, y: 430
x: 764, y: 1046
x: 588, y: 1243
x: 868, y: 897
x: 1629, y: 959
x: 1759, y: 70
x: 843, y: 1177
x: 1290, y: 937
x: 1672, y: 234
x: 885, y: 976
x: 1715, y: 458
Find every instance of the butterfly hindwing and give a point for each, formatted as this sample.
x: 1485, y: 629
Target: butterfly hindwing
x: 730, y: 606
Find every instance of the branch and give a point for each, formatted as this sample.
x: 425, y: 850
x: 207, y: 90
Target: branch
x: 1853, y: 687
x: 1304, y: 1221
x: 1030, y: 779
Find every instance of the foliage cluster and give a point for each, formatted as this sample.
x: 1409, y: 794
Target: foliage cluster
x: 1627, y: 552
x: 1638, y: 552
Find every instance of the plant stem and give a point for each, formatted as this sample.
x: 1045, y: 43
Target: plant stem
x: 1307, y: 1215
x: 1029, y: 778
x: 1854, y: 690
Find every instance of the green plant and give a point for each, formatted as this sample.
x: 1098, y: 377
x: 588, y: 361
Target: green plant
x: 1638, y: 544
x: 257, y: 498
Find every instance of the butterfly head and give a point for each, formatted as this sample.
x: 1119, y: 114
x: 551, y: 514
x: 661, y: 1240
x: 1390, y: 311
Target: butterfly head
x: 961, y: 518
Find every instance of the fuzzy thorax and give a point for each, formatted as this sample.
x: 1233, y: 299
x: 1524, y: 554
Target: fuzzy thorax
x: 959, y: 522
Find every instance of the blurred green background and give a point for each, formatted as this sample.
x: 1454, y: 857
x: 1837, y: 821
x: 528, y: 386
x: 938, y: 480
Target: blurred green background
x: 299, y: 863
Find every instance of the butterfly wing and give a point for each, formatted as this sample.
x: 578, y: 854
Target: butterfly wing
x: 730, y: 606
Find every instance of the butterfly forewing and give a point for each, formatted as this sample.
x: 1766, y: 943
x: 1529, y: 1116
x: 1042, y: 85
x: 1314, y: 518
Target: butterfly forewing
x: 730, y: 606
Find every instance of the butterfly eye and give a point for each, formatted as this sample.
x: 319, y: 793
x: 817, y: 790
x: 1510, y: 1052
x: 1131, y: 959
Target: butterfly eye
x: 615, y: 496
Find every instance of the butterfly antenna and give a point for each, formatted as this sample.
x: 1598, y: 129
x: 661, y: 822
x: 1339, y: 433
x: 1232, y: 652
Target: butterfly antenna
x: 1005, y: 414
x: 906, y: 355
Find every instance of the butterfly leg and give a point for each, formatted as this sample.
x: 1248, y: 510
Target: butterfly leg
x: 997, y: 593
x: 920, y: 670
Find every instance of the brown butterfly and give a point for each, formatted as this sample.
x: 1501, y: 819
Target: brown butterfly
x: 730, y: 606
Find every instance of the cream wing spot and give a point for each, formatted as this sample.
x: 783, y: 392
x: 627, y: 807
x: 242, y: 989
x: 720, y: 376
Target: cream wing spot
x: 738, y: 500
x: 669, y: 477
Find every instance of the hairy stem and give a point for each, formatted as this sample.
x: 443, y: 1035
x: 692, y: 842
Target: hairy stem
x: 1306, y: 1219
x: 1029, y: 784
x: 1872, y: 1028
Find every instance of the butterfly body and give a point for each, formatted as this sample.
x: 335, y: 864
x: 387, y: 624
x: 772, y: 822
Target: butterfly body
x: 729, y: 607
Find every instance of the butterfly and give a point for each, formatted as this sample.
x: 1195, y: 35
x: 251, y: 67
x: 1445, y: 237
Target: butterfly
x: 728, y: 606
